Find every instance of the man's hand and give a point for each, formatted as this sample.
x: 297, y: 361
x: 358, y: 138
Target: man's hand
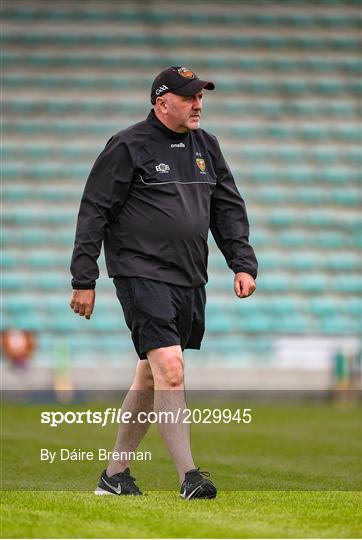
x: 82, y: 302
x: 244, y: 285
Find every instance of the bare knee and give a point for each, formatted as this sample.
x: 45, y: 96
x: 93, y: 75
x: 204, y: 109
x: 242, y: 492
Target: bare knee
x: 173, y: 375
x: 144, y: 378
x: 167, y: 367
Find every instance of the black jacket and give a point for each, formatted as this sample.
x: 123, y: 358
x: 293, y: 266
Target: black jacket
x: 152, y: 196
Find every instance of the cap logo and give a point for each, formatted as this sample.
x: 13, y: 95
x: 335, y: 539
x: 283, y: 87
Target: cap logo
x: 161, y: 89
x: 185, y: 72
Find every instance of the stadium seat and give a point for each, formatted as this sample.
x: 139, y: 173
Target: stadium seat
x: 281, y: 219
x: 331, y: 240
x: 351, y: 154
x: 263, y: 174
x: 31, y: 322
x: 303, y: 262
x: 344, y: 262
x: 342, y: 109
x: 257, y: 325
x: 324, y: 306
x: 107, y: 322
x: 298, y: 324
x: 271, y: 195
x: 293, y: 239
x: 221, y: 323
x: 314, y: 132
x: 273, y: 283
x: 350, y: 284
x: 289, y: 154
x: 338, y: 324
x: 348, y: 132
x: 353, y: 307
x: 311, y: 195
x: 313, y: 283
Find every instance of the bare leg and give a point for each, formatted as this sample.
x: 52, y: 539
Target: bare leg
x: 168, y: 373
x: 139, y: 398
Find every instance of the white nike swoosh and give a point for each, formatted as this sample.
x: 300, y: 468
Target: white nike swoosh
x: 199, y: 489
x: 117, y: 489
x: 196, y: 490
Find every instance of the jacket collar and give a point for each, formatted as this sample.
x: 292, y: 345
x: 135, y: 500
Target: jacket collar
x: 152, y: 118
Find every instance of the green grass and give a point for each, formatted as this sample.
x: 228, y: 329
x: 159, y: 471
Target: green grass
x: 164, y: 515
x: 295, y: 471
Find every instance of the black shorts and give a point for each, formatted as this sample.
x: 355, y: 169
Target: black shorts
x: 160, y: 314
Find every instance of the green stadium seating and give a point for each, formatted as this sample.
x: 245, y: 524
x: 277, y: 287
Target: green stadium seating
x: 257, y: 325
x: 311, y: 195
x: 354, y: 307
x: 344, y: 262
x: 286, y: 113
x: 31, y: 322
x: 262, y: 174
x: 302, y: 262
x: 314, y: 132
x: 48, y: 259
x: 324, y: 306
x: 269, y: 260
x: 274, y: 283
x: 313, y: 283
x: 202, y: 17
x: 293, y: 239
x: 345, y: 198
x: 332, y: 240
x: 348, y: 132
x: 338, y: 324
x: 107, y: 322
x: 262, y: 86
x: 289, y: 154
x: 352, y: 154
x: 291, y: 325
x: 324, y: 154
x: 341, y: 109
x: 275, y: 41
x: 350, y: 284
x: 281, y: 219
x: 221, y: 323
x: 271, y: 195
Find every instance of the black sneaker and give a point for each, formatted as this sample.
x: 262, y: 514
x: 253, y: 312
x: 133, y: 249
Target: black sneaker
x: 195, y: 486
x: 119, y: 484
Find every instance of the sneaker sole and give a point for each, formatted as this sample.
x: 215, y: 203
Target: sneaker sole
x: 100, y: 491
x: 195, y: 498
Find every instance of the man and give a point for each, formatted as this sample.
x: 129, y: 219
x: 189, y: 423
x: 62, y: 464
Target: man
x: 152, y: 195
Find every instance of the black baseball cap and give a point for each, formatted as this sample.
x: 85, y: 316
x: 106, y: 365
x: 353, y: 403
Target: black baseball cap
x: 179, y: 80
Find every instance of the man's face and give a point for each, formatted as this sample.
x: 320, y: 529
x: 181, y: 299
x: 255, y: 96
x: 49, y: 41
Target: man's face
x: 183, y: 112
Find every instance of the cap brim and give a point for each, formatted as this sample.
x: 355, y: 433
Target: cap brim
x: 193, y: 87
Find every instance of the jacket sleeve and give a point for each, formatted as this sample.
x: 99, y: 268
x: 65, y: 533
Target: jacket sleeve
x: 229, y: 222
x: 105, y: 192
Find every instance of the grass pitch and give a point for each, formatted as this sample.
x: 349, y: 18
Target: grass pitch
x: 293, y: 472
x: 164, y: 515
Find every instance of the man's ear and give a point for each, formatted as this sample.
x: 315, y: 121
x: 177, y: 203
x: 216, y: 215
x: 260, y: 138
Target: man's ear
x: 162, y: 103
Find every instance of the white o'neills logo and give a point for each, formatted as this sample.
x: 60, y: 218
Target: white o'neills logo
x: 162, y: 168
x: 178, y: 145
x: 161, y: 89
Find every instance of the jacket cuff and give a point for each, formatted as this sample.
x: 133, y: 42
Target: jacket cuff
x: 253, y: 273
x: 84, y: 286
